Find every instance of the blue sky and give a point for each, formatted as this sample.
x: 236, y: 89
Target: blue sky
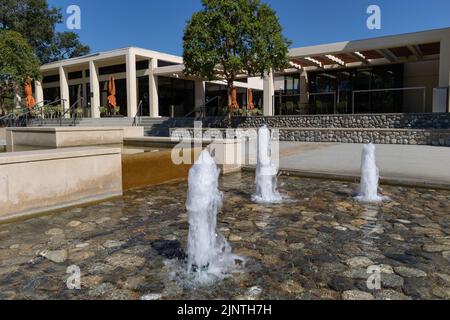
x: 158, y: 25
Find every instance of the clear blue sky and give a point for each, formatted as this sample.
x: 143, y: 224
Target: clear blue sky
x: 159, y: 24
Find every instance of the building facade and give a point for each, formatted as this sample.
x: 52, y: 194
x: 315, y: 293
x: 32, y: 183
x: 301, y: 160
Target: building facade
x: 407, y: 73
x: 148, y: 78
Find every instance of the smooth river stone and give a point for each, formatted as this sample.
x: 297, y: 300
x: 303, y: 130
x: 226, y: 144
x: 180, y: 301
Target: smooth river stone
x: 359, y: 262
x: 356, y: 295
x: 410, y: 272
x: 54, y: 232
x: 57, y: 256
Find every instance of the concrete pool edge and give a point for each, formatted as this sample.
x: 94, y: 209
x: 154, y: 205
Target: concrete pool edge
x: 402, y: 182
x: 95, y: 175
x: 57, y: 137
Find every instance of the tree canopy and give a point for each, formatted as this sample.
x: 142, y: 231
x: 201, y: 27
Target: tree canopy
x: 231, y: 37
x: 228, y: 38
x: 36, y: 20
x: 18, y: 63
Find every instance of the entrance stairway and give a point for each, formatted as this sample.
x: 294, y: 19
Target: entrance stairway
x: 159, y: 127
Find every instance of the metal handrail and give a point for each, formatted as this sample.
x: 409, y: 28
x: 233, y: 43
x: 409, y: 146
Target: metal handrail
x: 25, y: 112
x: 37, y: 105
x: 138, y: 115
x: 202, y: 108
x: 70, y: 109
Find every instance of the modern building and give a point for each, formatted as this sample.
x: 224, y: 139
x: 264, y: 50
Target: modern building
x: 407, y: 73
x: 152, y: 78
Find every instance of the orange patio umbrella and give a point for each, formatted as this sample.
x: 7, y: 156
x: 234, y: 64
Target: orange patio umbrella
x: 251, y: 105
x: 29, y: 95
x: 112, y: 102
x: 234, y: 103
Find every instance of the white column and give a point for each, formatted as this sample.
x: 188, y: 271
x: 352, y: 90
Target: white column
x: 64, y: 88
x: 38, y: 93
x: 95, y: 90
x: 131, y: 84
x: 269, y: 92
x: 200, y: 90
x: 153, y: 90
x: 18, y: 98
x: 444, y: 67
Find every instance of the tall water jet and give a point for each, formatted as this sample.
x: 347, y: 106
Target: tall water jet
x: 209, y: 254
x: 370, y: 176
x: 266, y: 170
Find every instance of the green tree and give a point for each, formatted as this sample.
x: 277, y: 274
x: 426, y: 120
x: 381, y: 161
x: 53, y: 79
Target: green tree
x: 228, y: 38
x: 18, y: 63
x: 36, y: 21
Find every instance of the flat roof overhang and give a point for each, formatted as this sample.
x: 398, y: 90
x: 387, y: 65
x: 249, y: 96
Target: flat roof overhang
x: 177, y: 71
x: 109, y: 58
x: 419, y: 46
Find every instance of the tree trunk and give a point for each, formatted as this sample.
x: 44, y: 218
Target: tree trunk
x: 230, y: 108
x: 2, y: 109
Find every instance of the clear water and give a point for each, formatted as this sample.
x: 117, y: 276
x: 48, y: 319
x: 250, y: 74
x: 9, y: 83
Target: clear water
x: 135, y: 245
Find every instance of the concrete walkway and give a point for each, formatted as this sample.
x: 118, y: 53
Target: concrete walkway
x: 399, y: 164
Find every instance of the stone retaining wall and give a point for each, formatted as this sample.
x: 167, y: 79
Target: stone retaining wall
x: 377, y: 136
x: 362, y: 121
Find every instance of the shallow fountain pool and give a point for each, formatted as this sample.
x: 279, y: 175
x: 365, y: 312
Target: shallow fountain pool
x: 316, y: 248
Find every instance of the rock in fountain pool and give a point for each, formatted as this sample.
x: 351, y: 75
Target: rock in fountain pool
x: 318, y: 248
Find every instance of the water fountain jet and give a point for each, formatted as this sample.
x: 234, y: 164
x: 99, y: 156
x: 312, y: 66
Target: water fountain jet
x: 370, y: 176
x: 209, y: 254
x: 266, y: 171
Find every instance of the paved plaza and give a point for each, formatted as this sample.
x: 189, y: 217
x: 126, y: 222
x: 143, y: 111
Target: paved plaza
x: 419, y: 165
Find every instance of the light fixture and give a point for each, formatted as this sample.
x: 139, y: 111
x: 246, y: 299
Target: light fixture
x: 315, y: 61
x: 359, y: 54
x: 295, y: 65
x: 335, y: 59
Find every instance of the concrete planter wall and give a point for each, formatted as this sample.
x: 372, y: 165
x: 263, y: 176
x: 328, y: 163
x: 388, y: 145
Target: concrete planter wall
x: 37, y: 181
x: 70, y: 136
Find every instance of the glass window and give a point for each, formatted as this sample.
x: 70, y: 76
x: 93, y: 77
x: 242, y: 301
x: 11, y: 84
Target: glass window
x: 51, y: 94
x: 143, y: 95
x: 76, y: 94
x: 345, y: 82
x: 50, y: 79
x: 75, y: 75
x: 216, y: 99
x: 118, y: 68
x: 162, y: 63
x: 121, y: 95
x: 176, y: 97
x: 142, y: 65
